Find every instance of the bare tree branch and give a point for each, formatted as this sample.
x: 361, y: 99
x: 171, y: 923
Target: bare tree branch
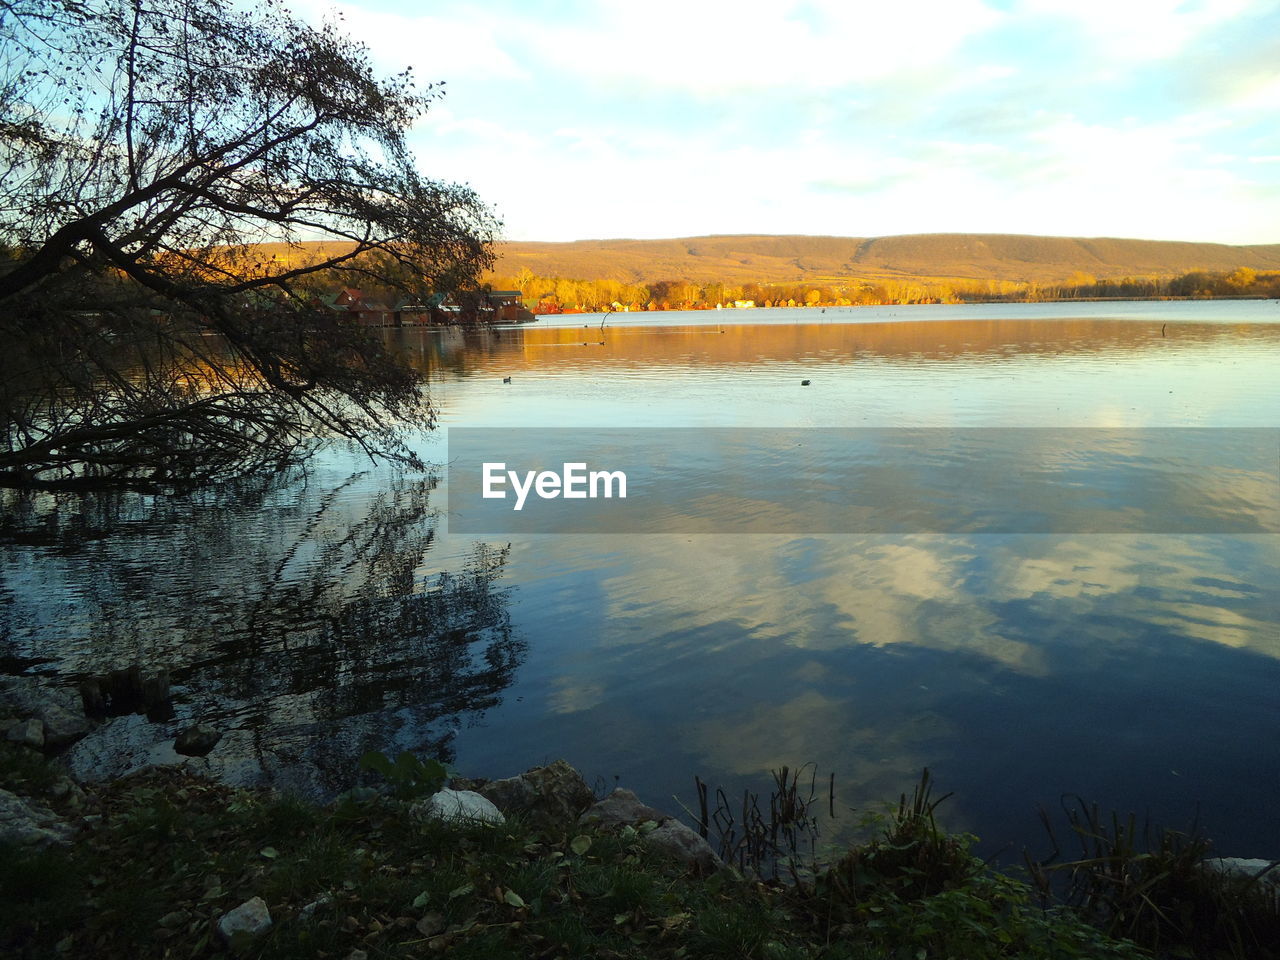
x: 146, y: 149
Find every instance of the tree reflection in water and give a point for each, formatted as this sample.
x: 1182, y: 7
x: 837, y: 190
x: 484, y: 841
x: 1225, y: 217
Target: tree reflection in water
x: 308, y: 624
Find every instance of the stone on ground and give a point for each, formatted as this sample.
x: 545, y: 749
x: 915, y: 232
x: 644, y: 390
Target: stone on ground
x: 28, y: 733
x: 57, y: 708
x: 620, y: 808
x: 196, y: 741
x: 26, y: 823
x: 459, y: 806
x: 250, y: 919
x: 1249, y: 868
x: 553, y: 795
x: 675, y: 840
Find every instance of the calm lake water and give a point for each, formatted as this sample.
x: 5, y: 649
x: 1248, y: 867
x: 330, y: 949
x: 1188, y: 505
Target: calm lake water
x: 336, y: 613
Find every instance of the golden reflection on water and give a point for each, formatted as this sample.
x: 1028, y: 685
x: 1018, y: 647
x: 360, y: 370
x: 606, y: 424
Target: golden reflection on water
x: 560, y: 348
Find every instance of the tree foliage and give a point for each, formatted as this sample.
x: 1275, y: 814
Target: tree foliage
x: 553, y: 294
x: 147, y: 149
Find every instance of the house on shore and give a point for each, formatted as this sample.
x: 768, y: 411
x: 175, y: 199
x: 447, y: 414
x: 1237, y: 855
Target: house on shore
x: 492, y: 306
x: 425, y: 312
x: 506, y: 307
x: 353, y: 304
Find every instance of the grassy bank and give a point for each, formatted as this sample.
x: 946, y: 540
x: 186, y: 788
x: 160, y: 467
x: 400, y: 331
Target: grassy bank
x: 160, y: 856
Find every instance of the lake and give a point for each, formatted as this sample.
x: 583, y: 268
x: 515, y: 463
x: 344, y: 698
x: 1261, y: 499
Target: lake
x: 1135, y: 665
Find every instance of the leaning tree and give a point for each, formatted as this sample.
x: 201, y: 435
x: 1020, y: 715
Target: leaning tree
x: 175, y: 176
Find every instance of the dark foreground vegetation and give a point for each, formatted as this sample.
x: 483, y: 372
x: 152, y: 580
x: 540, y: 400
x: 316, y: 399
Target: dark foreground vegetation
x: 159, y: 856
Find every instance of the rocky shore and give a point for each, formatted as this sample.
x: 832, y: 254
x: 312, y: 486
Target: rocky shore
x: 502, y: 867
x: 52, y: 721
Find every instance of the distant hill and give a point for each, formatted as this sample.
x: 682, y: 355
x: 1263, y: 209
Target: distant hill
x: 739, y: 259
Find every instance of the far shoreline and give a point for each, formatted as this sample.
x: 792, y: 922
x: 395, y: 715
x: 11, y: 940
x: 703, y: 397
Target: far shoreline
x: 1180, y: 310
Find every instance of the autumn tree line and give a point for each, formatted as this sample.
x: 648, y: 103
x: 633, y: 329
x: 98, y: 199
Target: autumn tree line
x: 563, y: 295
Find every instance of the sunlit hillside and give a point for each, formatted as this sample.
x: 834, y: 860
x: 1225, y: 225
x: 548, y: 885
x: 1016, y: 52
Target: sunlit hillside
x: 766, y: 259
x: 782, y: 259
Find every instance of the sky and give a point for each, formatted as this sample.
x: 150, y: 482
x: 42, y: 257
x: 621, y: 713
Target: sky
x: 1153, y: 119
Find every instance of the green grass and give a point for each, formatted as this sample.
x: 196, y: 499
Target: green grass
x: 171, y: 853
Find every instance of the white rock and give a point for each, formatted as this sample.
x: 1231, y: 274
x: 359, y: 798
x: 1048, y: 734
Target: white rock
x: 1248, y: 868
x: 309, y: 911
x: 458, y: 805
x: 251, y: 918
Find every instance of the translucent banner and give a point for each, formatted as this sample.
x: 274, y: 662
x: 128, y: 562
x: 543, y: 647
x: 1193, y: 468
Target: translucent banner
x: 893, y: 481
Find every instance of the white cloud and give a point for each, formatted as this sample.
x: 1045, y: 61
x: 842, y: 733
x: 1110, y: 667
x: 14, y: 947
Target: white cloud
x: 1259, y: 96
x: 1071, y: 178
x: 1086, y: 575
x: 1138, y: 29
x: 848, y: 118
x: 722, y: 48
x: 438, y: 48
